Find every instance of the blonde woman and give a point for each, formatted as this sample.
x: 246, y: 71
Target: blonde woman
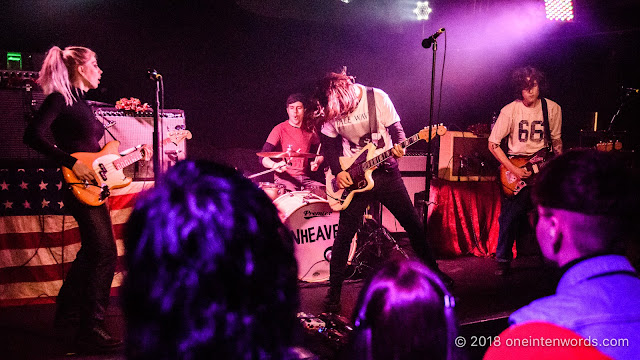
x: 84, y: 297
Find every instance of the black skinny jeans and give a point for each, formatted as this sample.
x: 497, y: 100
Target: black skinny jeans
x: 86, y: 288
x: 389, y: 189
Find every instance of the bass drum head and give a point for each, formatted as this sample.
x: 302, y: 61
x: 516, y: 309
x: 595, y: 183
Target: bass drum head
x: 313, y: 225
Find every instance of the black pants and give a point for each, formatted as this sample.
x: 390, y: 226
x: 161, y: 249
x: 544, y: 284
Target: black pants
x: 391, y: 192
x: 85, y: 291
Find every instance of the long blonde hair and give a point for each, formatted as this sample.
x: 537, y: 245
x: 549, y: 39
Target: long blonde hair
x: 59, y: 67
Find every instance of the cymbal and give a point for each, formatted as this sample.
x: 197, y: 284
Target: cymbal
x: 285, y: 154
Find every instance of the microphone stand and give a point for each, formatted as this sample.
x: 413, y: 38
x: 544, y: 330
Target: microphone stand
x: 428, y: 172
x: 156, y: 131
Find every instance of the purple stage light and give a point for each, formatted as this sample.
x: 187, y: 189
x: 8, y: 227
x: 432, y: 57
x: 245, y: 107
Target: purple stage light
x: 559, y: 10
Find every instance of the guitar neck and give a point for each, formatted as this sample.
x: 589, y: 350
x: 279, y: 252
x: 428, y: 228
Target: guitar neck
x: 375, y: 161
x: 134, y: 156
x: 128, y: 159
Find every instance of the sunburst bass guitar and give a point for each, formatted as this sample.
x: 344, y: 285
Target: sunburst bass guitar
x: 361, y: 166
x: 108, y: 165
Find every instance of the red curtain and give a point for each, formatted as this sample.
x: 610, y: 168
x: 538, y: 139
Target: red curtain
x: 463, y: 217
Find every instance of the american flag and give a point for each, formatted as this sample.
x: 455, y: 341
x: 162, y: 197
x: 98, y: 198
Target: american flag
x: 39, y: 239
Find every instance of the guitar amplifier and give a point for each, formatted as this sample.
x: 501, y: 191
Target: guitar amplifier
x: 132, y: 130
x: 465, y: 157
x: 17, y: 106
x: 413, y: 168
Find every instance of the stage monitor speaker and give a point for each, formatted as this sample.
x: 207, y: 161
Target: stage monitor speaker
x: 17, y: 107
x: 132, y: 130
x: 465, y: 157
x: 413, y: 170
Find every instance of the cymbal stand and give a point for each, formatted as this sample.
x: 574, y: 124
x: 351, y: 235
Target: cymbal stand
x: 373, y: 237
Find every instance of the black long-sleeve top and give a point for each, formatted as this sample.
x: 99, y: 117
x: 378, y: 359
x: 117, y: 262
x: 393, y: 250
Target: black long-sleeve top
x: 74, y: 128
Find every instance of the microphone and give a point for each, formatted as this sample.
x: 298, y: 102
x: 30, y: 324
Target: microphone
x: 426, y: 43
x: 153, y: 74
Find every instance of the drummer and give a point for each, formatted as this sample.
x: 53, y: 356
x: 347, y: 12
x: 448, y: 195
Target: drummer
x: 294, y: 137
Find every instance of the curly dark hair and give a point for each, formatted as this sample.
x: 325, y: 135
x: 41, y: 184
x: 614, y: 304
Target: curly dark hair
x: 524, y: 78
x: 211, y: 269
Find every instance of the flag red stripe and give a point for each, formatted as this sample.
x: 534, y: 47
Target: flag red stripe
x: 39, y: 239
x: 48, y: 239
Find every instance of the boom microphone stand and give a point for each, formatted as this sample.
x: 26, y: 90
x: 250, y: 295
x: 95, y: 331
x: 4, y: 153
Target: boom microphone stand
x: 426, y: 43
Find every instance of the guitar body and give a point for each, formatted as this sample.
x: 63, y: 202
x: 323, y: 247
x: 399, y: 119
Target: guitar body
x: 511, y: 184
x: 108, y: 175
x: 361, y: 166
x: 109, y: 165
x: 339, y: 198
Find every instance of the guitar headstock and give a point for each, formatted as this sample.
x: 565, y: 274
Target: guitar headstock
x: 176, y: 136
x: 435, y: 130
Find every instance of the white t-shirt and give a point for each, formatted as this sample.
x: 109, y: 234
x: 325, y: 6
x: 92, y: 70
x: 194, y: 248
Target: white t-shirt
x: 524, y: 126
x: 355, y: 129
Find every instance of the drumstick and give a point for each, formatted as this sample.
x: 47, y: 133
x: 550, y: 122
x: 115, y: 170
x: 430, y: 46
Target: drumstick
x: 317, y: 152
x: 265, y: 172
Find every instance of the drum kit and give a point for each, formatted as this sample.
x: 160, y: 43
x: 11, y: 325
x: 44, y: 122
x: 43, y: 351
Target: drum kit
x: 314, y: 225
x: 312, y: 222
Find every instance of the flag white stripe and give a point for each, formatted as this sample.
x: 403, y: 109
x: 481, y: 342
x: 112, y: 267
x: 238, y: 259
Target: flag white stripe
x: 45, y: 256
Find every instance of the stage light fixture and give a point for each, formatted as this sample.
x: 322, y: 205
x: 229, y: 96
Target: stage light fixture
x: 422, y: 10
x: 559, y: 10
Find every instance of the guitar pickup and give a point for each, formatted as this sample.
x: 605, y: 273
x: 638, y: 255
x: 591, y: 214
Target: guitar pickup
x: 103, y: 172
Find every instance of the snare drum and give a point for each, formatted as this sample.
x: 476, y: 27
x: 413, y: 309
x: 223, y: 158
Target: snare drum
x: 272, y: 190
x: 314, y: 226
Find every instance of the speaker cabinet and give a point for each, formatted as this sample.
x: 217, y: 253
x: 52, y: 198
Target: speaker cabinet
x: 17, y: 106
x: 465, y: 157
x: 132, y: 130
x: 413, y: 171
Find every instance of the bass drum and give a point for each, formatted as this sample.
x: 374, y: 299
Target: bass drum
x: 314, y: 226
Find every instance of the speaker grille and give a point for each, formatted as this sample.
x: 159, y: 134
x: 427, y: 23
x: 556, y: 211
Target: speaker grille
x: 133, y: 130
x: 17, y: 107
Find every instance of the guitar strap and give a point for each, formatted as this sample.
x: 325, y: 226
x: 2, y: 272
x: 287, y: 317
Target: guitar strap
x: 373, y: 120
x: 545, y: 124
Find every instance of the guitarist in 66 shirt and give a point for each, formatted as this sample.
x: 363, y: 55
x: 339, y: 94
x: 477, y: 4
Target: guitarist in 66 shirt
x: 349, y: 115
x: 84, y: 297
x: 532, y: 126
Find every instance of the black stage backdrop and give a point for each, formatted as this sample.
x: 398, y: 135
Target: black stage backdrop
x: 230, y: 65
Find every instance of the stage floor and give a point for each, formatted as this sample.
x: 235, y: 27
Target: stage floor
x: 483, y: 302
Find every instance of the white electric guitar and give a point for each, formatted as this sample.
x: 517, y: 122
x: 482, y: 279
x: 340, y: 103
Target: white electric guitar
x: 361, y: 165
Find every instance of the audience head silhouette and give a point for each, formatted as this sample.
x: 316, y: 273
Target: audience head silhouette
x: 211, y: 269
x: 404, y: 312
x: 587, y: 202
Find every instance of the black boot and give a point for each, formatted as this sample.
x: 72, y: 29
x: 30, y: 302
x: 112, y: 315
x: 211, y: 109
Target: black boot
x: 96, y: 339
x: 446, y: 279
x: 503, y: 268
x: 331, y: 302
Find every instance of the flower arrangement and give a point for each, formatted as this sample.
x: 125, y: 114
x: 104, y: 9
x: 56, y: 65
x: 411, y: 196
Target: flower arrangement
x: 132, y: 104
